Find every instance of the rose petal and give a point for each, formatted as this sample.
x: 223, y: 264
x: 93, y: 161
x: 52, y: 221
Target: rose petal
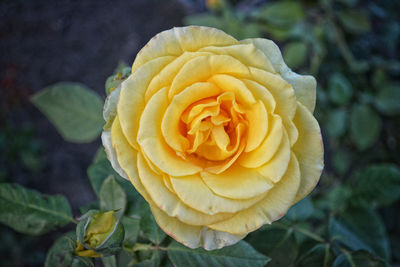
x: 201, y: 68
x: 309, y: 150
x: 175, y: 41
x: 152, y: 143
x: 304, y: 85
x: 268, y: 148
x: 193, y: 236
x: 237, y: 182
x: 169, y: 202
x: 131, y: 102
x: 274, y: 205
x: 196, y: 194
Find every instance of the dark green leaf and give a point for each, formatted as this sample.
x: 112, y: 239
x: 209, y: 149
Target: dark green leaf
x: 354, y: 21
x: 336, y: 123
x: 61, y: 254
x: 340, y: 89
x: 301, y: 211
x: 240, y: 255
x: 112, y: 197
x: 30, y: 212
x: 278, y: 244
x: 365, y: 126
x: 153, y: 261
x: 132, y: 227
x: 74, y: 109
x: 341, y: 160
x: 149, y: 226
x: 358, y: 259
x: 319, y: 256
x: 378, y: 184
x: 282, y: 13
x: 295, y: 54
x: 100, y: 170
x: 388, y: 99
x: 361, y: 229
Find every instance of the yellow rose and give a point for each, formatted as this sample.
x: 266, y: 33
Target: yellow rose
x: 216, y: 134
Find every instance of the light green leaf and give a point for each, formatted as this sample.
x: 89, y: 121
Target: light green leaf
x: 282, y: 12
x: 365, y: 126
x: 149, y: 226
x: 361, y: 229
x: 388, y: 99
x: 301, y: 211
x: 354, y: 21
x: 109, y: 261
x: 295, y: 54
x: 340, y: 89
x: 74, y: 109
x: 358, y: 259
x: 379, y: 183
x: 319, y: 256
x: 239, y: 255
x: 336, y: 123
x: 278, y: 244
x: 30, y: 212
x: 112, y: 197
x: 153, y: 261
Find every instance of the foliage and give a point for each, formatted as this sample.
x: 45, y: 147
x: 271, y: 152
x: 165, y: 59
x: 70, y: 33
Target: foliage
x: 351, y: 219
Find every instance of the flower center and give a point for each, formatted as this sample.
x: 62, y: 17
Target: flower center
x: 214, y: 127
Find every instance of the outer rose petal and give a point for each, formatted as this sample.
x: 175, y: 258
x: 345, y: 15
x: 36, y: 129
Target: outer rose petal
x: 169, y: 202
x: 274, y: 205
x: 309, y: 150
x: 193, y: 236
x: 178, y: 40
x: 304, y: 85
x: 131, y: 101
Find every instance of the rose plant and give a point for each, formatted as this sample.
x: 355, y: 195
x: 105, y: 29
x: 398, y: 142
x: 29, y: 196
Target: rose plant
x: 209, y: 140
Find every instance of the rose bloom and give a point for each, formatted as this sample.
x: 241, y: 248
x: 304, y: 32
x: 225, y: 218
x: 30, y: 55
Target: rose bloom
x: 216, y: 134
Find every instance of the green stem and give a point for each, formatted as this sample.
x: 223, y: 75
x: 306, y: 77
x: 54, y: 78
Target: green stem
x: 302, y: 231
x: 144, y: 247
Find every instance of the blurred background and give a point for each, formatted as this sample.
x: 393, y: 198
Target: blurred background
x: 350, y: 46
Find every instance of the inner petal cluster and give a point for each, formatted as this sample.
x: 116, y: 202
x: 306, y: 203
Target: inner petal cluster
x: 214, y: 127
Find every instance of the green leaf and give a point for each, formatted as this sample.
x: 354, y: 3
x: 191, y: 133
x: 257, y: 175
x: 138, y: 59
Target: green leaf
x: 301, y: 211
x: 149, y: 226
x: 365, y: 126
x: 340, y: 89
x: 341, y: 160
x: 132, y: 228
x: 278, y: 244
x: 109, y: 261
x: 281, y: 13
x: 361, y: 229
x: 112, y: 197
x: 354, y: 21
x: 295, y: 54
x: 336, y: 122
x: 61, y: 253
x: 204, y: 19
x: 153, y: 261
x: 388, y: 99
x: 74, y: 109
x: 100, y: 170
x: 358, y: 259
x: 240, y: 255
x: 319, y: 256
x: 30, y: 212
x: 379, y: 183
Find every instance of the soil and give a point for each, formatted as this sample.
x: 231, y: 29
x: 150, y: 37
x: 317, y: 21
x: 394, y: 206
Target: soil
x: 44, y: 42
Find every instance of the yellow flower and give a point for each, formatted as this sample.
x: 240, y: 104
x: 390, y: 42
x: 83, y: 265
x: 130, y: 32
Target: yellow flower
x: 216, y: 134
